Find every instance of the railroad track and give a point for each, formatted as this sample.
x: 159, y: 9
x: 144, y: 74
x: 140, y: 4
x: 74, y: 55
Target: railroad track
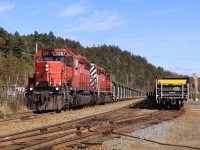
x: 82, y: 130
x: 22, y: 116
x: 108, y: 129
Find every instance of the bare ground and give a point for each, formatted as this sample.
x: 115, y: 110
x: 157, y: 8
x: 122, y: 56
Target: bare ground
x: 181, y: 133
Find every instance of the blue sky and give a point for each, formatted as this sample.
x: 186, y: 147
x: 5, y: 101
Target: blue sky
x: 165, y: 32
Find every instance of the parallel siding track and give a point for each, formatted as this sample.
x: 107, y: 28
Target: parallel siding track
x: 22, y: 116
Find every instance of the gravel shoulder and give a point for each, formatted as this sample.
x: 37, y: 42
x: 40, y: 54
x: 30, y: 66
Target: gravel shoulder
x: 181, y: 133
x: 19, y: 126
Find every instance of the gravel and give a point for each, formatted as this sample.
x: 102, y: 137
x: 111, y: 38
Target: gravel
x: 150, y: 133
x: 180, y: 133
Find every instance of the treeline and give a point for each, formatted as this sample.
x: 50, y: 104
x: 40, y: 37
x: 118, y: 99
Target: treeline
x: 124, y: 65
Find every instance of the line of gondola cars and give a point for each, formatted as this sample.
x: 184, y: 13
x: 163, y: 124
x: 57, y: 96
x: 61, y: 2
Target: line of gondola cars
x: 151, y: 95
x: 64, y: 80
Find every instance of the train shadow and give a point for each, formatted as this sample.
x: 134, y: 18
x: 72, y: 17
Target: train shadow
x: 43, y: 112
x: 150, y: 104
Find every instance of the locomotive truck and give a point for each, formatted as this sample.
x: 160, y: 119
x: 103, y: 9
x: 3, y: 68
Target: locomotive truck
x: 64, y: 80
x: 172, y: 92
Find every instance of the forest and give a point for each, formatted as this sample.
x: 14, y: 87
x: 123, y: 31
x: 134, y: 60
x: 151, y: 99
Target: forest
x: 16, y: 59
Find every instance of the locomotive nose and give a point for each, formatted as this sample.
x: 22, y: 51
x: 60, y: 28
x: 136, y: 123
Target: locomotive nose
x: 49, y: 72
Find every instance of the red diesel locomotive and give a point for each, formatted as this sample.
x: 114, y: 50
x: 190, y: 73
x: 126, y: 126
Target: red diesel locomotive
x: 63, y: 80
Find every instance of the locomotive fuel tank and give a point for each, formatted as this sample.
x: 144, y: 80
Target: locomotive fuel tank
x: 82, y: 100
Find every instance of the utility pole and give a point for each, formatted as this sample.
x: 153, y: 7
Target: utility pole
x: 36, y: 47
x: 195, y: 85
x: 127, y: 80
x: 127, y: 75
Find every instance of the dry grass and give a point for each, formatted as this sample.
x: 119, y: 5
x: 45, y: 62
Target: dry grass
x: 5, y: 110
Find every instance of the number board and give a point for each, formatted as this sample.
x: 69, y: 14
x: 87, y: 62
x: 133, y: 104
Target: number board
x: 46, y: 53
x: 60, y: 53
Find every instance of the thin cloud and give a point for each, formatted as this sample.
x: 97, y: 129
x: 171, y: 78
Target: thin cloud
x: 73, y: 10
x: 184, y: 37
x: 129, y: 1
x: 5, y: 7
x: 181, y: 39
x: 174, y: 68
x: 180, y: 70
x: 154, y: 56
x: 99, y: 21
x: 37, y: 11
x: 190, y: 59
x: 164, y: 11
x: 159, y: 13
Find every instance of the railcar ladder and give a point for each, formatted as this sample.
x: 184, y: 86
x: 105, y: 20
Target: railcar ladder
x: 67, y: 97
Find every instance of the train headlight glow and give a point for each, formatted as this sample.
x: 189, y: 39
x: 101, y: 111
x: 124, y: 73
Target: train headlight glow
x: 31, y: 89
x: 46, y: 69
x: 57, y: 88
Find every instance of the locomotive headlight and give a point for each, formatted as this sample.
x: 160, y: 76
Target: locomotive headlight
x: 31, y: 89
x: 47, y: 65
x: 57, y: 88
x: 46, y: 69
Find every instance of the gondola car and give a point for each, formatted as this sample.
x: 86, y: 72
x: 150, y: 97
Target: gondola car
x: 172, y: 92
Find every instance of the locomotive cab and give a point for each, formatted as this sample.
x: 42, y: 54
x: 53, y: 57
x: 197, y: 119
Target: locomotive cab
x: 50, y: 69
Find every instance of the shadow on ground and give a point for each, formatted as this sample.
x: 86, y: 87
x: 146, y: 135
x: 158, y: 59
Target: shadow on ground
x: 150, y: 104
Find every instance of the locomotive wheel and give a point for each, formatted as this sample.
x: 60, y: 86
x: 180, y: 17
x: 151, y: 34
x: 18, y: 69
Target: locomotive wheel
x: 182, y: 104
x: 178, y: 105
x: 70, y: 105
x: 160, y: 105
x: 166, y: 105
x: 93, y: 101
x: 29, y: 102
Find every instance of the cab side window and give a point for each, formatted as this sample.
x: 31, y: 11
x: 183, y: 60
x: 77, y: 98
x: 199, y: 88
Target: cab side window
x: 108, y: 77
x: 62, y: 59
x: 38, y: 59
x: 69, y: 61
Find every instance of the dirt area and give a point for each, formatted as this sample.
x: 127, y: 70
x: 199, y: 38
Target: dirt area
x: 181, y: 133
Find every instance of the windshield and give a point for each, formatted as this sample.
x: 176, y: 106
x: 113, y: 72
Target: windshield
x: 56, y: 58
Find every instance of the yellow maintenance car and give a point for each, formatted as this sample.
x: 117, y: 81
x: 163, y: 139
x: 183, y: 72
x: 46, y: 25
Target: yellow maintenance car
x: 172, y: 92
